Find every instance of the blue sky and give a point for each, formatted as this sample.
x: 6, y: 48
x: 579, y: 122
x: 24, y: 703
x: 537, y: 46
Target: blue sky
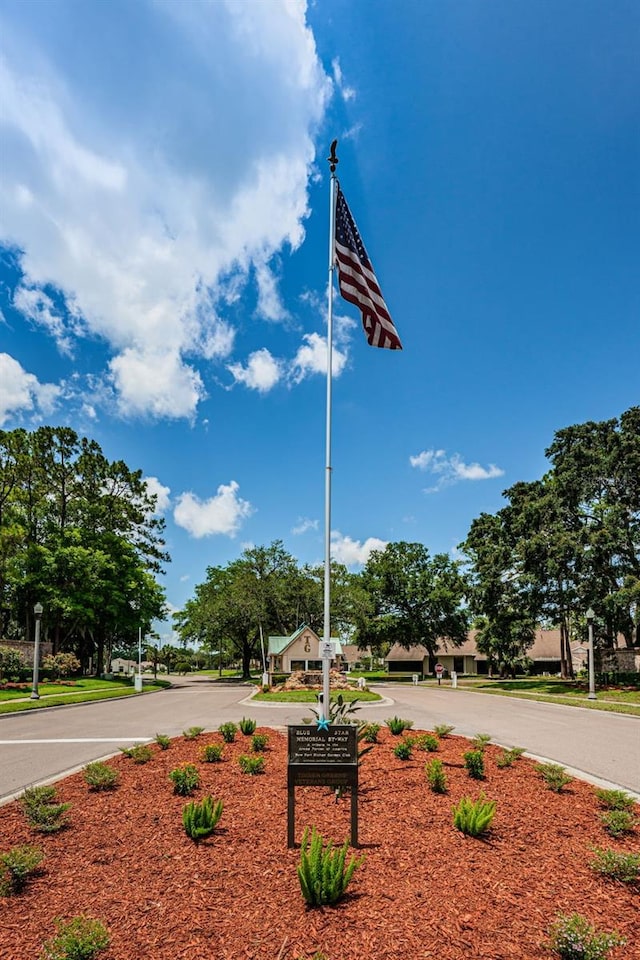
x: 164, y: 246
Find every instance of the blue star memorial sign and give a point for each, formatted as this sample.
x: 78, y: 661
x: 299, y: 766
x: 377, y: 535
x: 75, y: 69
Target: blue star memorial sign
x: 323, y: 724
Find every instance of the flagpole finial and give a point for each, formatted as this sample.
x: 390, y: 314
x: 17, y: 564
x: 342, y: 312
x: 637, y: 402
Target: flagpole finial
x: 332, y: 159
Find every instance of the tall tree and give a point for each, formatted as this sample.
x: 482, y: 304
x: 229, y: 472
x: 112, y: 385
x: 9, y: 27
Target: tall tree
x: 414, y: 599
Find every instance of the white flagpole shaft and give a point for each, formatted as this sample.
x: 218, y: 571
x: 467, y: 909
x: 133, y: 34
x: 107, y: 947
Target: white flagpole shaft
x: 326, y: 663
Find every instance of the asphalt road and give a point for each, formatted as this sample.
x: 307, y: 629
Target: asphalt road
x: 43, y: 745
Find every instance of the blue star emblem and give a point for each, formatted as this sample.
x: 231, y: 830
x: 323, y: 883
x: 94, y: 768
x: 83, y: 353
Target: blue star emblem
x: 323, y: 724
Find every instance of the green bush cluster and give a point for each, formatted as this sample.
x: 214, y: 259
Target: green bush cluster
x: 618, y: 822
x: 80, y: 938
x: 192, y: 733
x: 370, y: 732
x: 247, y: 726
x: 251, y: 765
x: 228, y: 731
x: 212, y: 753
x: 428, y: 742
x: 474, y: 817
x: 436, y: 776
x: 397, y: 725
x: 200, y: 819
x: 402, y: 750
x: 42, y: 812
x: 481, y: 741
x: 18, y: 864
x: 185, y: 779
x: 474, y: 764
x: 508, y: 757
x: 259, y: 742
x: 139, y: 753
x: 323, y: 871
x: 572, y: 937
x: 623, y: 867
x: 614, y: 799
x: 163, y: 741
x: 443, y: 730
x: 554, y: 776
x: 100, y: 776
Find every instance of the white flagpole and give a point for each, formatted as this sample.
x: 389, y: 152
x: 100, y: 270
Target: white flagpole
x: 326, y: 662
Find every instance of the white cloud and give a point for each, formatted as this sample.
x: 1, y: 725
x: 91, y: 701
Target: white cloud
x: 220, y: 514
x: 161, y: 493
x: 303, y: 525
x: 39, y: 307
x: 22, y: 392
x: 346, y: 92
x: 261, y: 373
x: 353, y: 552
x: 312, y: 358
x: 451, y: 469
x: 155, y: 382
x: 146, y: 194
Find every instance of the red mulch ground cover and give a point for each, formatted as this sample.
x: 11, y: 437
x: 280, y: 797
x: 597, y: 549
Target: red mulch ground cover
x: 424, y: 890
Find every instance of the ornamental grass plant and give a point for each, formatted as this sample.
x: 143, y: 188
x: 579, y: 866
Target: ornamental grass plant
x: 323, y: 871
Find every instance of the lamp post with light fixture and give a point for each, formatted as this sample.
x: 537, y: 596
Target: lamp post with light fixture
x: 592, y: 673
x: 38, y: 611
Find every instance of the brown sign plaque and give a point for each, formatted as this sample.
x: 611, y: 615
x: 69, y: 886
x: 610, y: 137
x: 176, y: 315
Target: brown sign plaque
x: 322, y: 758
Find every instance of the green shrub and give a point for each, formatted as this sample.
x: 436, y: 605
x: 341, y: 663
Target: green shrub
x: 192, y: 733
x: 200, y: 819
x: 185, y: 779
x: 474, y: 817
x: 228, y: 731
x: 624, y: 867
x: 428, y: 742
x: 247, y: 726
x: 618, y: 822
x: 572, y: 937
x: 18, y: 864
x: 370, y: 732
x: 259, y: 742
x: 554, y: 776
x: 163, y: 741
x: 402, y: 750
x: 474, y: 763
x: 251, y: 765
x: 615, y: 799
x: 397, y: 726
x: 481, y: 740
x: 323, y: 872
x: 139, y: 752
x: 81, y: 938
x: 212, y: 753
x: 41, y: 812
x: 100, y: 776
x: 508, y: 757
x: 436, y: 776
x: 443, y: 730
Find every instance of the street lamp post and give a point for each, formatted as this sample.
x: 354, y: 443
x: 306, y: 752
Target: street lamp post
x: 592, y: 673
x: 37, y: 610
x: 140, y: 656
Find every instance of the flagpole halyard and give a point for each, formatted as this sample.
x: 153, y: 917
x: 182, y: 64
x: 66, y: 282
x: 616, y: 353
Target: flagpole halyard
x: 326, y: 663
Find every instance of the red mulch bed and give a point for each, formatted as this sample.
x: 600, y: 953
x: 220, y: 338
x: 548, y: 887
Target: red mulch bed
x: 424, y: 890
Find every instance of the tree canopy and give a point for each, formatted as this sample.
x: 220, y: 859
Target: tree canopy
x: 78, y: 534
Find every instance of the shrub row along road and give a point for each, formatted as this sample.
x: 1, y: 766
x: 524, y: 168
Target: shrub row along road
x: 42, y: 745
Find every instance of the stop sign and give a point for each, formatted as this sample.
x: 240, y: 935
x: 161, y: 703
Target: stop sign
x: 439, y: 669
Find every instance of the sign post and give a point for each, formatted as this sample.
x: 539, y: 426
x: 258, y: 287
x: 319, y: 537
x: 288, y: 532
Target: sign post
x: 439, y: 672
x: 322, y: 758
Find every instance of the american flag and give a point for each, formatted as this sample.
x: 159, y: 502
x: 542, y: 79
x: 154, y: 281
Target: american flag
x: 358, y: 282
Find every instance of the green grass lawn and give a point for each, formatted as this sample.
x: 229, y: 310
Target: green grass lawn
x: 311, y: 696
x: 83, y: 691
x: 550, y: 690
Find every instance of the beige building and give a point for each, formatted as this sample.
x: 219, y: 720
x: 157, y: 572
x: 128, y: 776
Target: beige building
x: 465, y: 659
x: 300, y: 651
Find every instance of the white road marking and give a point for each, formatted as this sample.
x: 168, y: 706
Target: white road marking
x: 81, y: 740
